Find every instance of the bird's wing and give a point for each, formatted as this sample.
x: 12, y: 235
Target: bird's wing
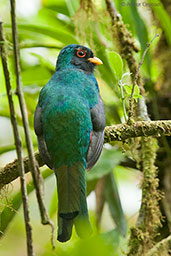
x: 97, y: 135
x: 38, y: 127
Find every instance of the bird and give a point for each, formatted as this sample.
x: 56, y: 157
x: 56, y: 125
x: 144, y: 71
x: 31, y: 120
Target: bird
x: 69, y: 122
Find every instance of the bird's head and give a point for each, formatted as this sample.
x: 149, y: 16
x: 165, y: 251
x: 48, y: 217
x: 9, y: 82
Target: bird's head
x: 77, y: 56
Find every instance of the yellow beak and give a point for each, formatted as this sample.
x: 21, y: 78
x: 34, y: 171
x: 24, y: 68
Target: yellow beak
x: 95, y: 60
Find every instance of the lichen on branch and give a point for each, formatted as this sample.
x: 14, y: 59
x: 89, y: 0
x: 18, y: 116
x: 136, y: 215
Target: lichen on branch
x: 149, y: 220
x: 120, y: 132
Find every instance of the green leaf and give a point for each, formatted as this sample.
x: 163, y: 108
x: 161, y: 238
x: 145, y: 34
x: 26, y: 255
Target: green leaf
x: 115, y: 207
x: 137, y: 93
x: 128, y: 89
x: 116, y: 63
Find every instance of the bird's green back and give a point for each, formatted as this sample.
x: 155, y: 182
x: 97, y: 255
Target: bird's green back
x: 66, y: 101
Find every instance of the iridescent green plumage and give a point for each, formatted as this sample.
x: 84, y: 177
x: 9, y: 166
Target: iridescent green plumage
x: 69, y: 111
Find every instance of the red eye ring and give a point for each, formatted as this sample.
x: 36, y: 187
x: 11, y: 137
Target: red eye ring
x: 81, y: 53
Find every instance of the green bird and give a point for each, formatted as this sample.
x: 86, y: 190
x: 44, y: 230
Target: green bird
x: 69, y: 123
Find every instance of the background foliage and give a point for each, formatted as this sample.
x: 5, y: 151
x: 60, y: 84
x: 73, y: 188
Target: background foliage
x: 45, y: 26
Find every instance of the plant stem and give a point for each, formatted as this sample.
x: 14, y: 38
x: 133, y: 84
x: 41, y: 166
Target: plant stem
x: 140, y: 64
x: 119, y: 132
x: 18, y: 143
x: 37, y: 178
x: 123, y: 102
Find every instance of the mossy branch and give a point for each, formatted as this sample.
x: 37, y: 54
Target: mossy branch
x: 36, y: 174
x: 17, y: 138
x: 143, y: 235
x: 119, y: 132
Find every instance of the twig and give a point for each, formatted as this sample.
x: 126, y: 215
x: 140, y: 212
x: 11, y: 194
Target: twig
x: 10, y: 171
x: 142, y: 110
x: 37, y: 178
x: 112, y: 11
x: 140, y: 64
x: 125, y: 39
x: 18, y: 143
x: 123, y: 101
x: 119, y: 132
x: 127, y: 48
x: 100, y: 199
x: 161, y: 248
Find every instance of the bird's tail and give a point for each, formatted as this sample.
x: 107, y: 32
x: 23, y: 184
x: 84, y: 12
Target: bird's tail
x: 72, y: 205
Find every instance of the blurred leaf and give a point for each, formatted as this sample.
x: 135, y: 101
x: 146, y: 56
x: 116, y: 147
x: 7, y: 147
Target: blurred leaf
x: 106, y: 72
x: 58, y: 6
x: 96, y: 245
x: 50, y: 17
x: 91, y: 185
x: 112, y: 237
x: 34, y: 44
x: 53, y: 204
x: 10, y: 210
x: 44, y: 62
x: 142, y: 34
x: 163, y: 17
x: 132, y: 18
x: 40, y: 77
x: 57, y: 33
x: 108, y: 160
x: 115, y: 207
x: 73, y: 6
x: 4, y: 149
x: 116, y: 63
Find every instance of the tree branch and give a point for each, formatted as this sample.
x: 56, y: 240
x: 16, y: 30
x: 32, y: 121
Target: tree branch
x: 119, y: 132
x: 142, y: 110
x: 141, y: 62
x: 125, y: 41
x: 37, y: 177
x: 20, y: 163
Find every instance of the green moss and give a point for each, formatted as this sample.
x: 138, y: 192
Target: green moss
x: 143, y: 235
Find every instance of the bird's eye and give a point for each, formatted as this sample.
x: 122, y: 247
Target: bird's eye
x: 81, y: 53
